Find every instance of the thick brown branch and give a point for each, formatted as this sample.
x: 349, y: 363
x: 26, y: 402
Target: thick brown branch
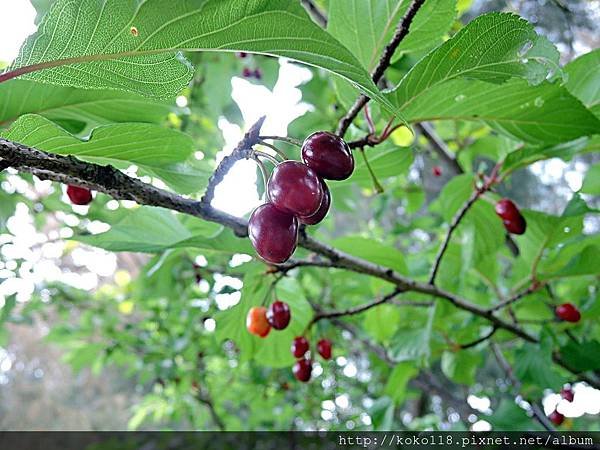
x: 384, y: 62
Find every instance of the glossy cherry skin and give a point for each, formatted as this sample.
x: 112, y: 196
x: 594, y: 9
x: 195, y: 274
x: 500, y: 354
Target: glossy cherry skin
x: 436, y: 171
x: 302, y: 369
x: 279, y: 315
x: 328, y: 155
x: 294, y: 188
x: 322, y: 211
x: 567, y: 394
x: 299, y: 346
x: 79, y: 195
x: 515, y: 226
x: 556, y: 418
x: 507, y: 210
x: 273, y: 233
x: 324, y: 348
x: 256, y: 321
x: 568, y: 312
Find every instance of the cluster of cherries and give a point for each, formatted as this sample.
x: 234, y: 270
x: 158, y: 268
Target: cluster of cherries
x: 260, y: 320
x: 296, y: 194
x: 556, y: 417
x: 303, y: 367
x: 513, y: 220
x: 79, y: 195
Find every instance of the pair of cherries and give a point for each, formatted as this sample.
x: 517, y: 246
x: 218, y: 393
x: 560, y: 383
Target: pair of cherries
x: 556, y: 417
x: 303, y: 367
x: 79, y: 195
x: 513, y: 220
x: 260, y: 320
x: 298, y: 195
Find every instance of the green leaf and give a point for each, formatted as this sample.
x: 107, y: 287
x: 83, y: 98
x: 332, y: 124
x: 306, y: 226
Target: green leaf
x: 591, y: 183
x: 581, y: 356
x: 508, y: 416
x: 84, y: 356
x: 382, y: 414
x: 381, y: 322
x: 583, y: 80
x: 156, y: 150
x: 462, y: 366
x: 453, y: 196
x: 365, y: 27
x: 385, y: 162
x: 93, y: 107
x: 534, y: 367
x: 543, y: 114
x: 373, y: 251
x: 396, y: 384
x: 585, y: 263
x: 493, y: 48
x: 132, y: 45
x: 413, y: 344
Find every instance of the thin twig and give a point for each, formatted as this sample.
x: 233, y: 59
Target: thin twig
x: 384, y: 62
x: 480, y: 340
x: 534, y: 287
x: 289, y: 140
x: 355, y: 310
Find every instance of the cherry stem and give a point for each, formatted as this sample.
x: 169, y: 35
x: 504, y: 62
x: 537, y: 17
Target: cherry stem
x: 376, y: 183
x: 369, y: 120
x: 263, y: 172
x: 289, y: 140
x: 271, y: 158
x: 282, y: 155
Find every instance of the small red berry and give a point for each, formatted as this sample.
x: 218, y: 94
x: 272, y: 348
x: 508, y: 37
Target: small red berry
x: 279, y: 315
x: 242, y: 55
x: 257, y: 74
x: 324, y: 348
x: 513, y: 220
x: 302, y: 369
x: 567, y: 394
x: 437, y: 171
x: 247, y: 73
x: 256, y: 321
x: 556, y: 418
x: 328, y: 155
x: 295, y: 188
x: 516, y: 226
x: 568, y: 312
x: 299, y: 346
x: 79, y: 195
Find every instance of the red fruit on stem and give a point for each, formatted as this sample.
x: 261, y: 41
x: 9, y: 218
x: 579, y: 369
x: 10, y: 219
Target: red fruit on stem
x: 322, y: 211
x: 79, y: 195
x: 299, y: 346
x: 302, y: 369
x: 279, y: 315
x: 256, y: 321
x: 273, y: 233
x: 437, y: 171
x: 567, y: 394
x: 556, y: 418
x: 328, y: 155
x: 295, y: 188
x: 568, y: 312
x: 324, y: 348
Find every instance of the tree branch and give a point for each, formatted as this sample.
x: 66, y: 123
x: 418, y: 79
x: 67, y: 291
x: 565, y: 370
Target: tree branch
x: 479, y: 341
x: 384, y: 62
x: 534, y: 287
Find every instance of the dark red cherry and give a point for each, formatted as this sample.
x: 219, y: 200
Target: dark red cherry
x: 299, y: 346
x: 568, y: 312
x: 567, y: 394
x: 324, y: 348
x: 279, y: 315
x: 273, y: 233
x: 507, y: 210
x: 302, y: 369
x: 556, y: 418
x: 437, y: 171
x: 515, y: 226
x: 247, y: 73
x: 79, y: 195
x: 322, y: 211
x: 257, y: 74
x: 242, y: 55
x: 328, y: 155
x: 294, y: 188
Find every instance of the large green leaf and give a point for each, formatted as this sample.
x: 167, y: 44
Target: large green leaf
x: 372, y: 250
x: 366, y: 26
x: 581, y: 356
x: 585, y: 263
x: 583, y: 80
x: 413, y: 344
x: 156, y: 150
x: 462, y: 366
x: 544, y: 114
x: 591, y: 183
x: 493, y: 48
x: 395, y: 387
x: 61, y: 103
x: 132, y: 44
x: 385, y: 163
